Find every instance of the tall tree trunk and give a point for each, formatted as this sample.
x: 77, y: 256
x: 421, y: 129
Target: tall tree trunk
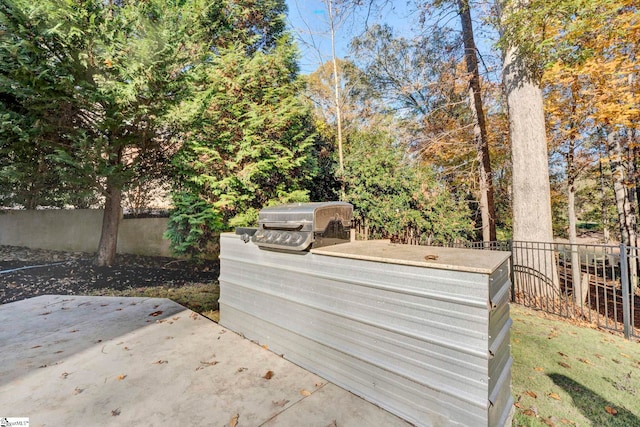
x: 111, y: 218
x: 110, y: 224
x: 532, y: 221
x: 487, y: 204
x: 579, y: 292
x: 624, y: 202
x: 603, y: 204
x: 531, y: 190
x: 626, y: 214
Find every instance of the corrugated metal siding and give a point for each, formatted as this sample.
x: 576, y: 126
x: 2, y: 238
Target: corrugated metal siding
x: 415, y: 341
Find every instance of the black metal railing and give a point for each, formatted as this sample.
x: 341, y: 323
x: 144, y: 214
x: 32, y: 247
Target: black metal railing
x: 593, y: 283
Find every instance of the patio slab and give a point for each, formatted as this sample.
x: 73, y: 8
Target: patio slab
x: 102, y: 361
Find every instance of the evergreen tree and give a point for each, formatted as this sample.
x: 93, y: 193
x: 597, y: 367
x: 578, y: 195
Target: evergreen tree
x: 86, y: 86
x: 250, y: 138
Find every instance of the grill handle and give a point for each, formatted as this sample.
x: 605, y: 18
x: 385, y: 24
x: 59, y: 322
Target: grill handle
x: 282, y: 228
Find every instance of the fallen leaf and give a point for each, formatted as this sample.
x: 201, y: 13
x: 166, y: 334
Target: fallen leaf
x: 518, y: 405
x: 585, y: 361
x: 625, y: 355
x: 156, y: 313
x: 78, y: 391
x: 115, y: 412
x: 268, y: 375
x: 305, y: 392
x: 562, y: 354
x: 610, y: 410
x: 242, y: 369
x: 206, y: 364
x: 121, y: 377
x: 549, y: 422
x: 280, y: 403
x: 532, y: 394
x: 539, y: 369
x: 36, y: 346
x: 564, y: 365
x: 529, y: 413
x: 234, y: 420
x: 554, y: 396
x: 599, y: 356
x: 616, y: 361
x: 160, y: 362
x: 566, y: 421
x: 266, y: 347
x: 516, y: 340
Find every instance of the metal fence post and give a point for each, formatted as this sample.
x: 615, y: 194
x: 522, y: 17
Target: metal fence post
x: 624, y: 284
x: 513, y: 277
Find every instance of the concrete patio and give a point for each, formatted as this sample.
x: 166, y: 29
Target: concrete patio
x: 100, y: 361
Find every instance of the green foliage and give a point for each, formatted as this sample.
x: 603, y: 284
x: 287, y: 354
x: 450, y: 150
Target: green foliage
x: 193, y: 226
x: 85, y: 86
x: 249, y: 140
x: 391, y: 194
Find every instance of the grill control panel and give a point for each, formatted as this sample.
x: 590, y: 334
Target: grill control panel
x: 283, y: 238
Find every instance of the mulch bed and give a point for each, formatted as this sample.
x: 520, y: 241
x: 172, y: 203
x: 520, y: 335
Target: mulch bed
x: 73, y: 273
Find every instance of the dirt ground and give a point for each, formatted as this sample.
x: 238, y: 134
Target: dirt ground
x: 25, y: 273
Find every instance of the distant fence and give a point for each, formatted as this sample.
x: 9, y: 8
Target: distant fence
x: 78, y: 230
x: 592, y: 283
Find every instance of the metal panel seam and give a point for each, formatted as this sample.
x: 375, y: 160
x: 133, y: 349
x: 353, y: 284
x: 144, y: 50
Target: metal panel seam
x: 476, y: 403
x: 386, y: 328
x: 440, y: 297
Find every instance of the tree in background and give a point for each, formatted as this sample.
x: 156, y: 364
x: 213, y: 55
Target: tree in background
x: 396, y: 197
x: 394, y: 194
x: 249, y: 139
x: 424, y: 81
x: 94, y: 80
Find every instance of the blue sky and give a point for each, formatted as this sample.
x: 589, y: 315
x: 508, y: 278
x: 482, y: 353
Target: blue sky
x: 309, y: 20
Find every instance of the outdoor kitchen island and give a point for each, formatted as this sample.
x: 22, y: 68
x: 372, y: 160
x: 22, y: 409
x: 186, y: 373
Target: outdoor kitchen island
x: 421, y: 331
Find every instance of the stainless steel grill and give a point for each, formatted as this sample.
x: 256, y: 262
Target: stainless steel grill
x: 301, y: 226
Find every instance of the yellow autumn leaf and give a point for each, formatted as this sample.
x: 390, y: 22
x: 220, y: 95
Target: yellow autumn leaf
x: 305, y: 392
x: 121, y: 377
x: 234, y: 420
x: 554, y: 396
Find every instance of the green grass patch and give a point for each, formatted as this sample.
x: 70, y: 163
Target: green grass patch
x: 199, y: 297
x: 564, y: 374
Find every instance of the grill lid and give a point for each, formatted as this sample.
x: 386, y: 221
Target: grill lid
x: 296, y: 226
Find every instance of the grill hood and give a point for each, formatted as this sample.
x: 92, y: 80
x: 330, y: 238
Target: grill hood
x: 301, y: 226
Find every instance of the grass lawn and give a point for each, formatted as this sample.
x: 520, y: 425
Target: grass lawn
x: 199, y: 297
x: 569, y: 375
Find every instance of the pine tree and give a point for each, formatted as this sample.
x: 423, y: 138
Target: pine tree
x: 250, y: 137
